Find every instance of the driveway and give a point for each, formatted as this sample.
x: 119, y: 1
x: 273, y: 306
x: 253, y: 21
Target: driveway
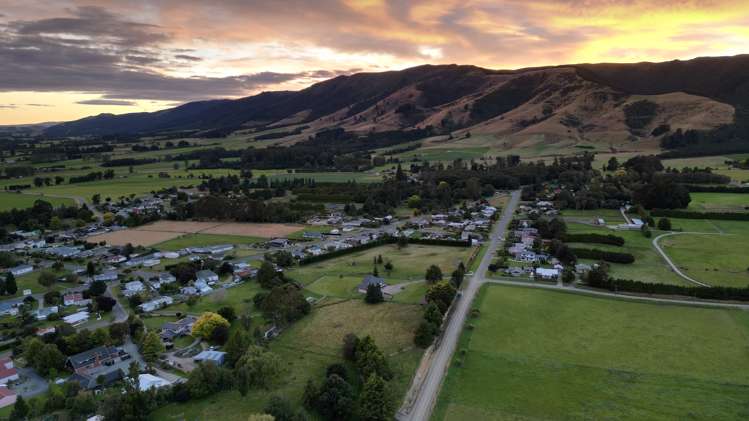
x: 32, y: 384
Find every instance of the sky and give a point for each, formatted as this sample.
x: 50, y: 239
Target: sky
x: 66, y: 59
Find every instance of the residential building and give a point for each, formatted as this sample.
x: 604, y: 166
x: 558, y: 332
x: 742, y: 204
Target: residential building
x: 43, y: 313
x: 370, y: 280
x: 133, y: 288
x: 92, y: 359
x: 8, y: 372
x: 77, y: 319
x: 106, y: 276
x: 207, y: 276
x: 21, y: 270
x: 7, y: 397
x: 216, y: 357
x: 156, y: 304
x: 149, y: 381
x: 545, y: 273
x: 182, y: 327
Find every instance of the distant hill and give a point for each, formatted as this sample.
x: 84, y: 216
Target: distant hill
x: 611, y: 102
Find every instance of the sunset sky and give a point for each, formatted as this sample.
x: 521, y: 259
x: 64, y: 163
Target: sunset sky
x: 66, y: 59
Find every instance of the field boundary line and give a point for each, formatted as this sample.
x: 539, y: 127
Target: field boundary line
x: 671, y: 263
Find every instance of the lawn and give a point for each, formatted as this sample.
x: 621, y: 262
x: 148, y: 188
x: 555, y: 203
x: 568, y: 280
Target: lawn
x: 10, y: 201
x: 308, y: 347
x: 548, y: 355
x: 202, y: 240
x: 239, y: 297
x: 719, y: 202
x: 339, y: 277
x: 648, y: 266
x: 712, y: 259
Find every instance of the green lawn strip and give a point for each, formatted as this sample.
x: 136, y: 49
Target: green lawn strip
x: 610, y: 216
x: 719, y: 202
x: 239, y: 297
x: 201, y: 240
x: 548, y: 355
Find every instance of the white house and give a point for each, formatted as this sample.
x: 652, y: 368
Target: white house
x: 21, y: 270
x: 106, y: 276
x: 8, y: 372
x: 76, y: 319
x: 207, y: 276
x: 43, y: 313
x: 149, y: 381
x: 544, y: 273
x: 156, y: 304
x: 133, y: 288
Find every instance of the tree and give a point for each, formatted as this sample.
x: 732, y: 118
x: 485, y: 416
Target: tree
x: 662, y: 194
x: 374, y: 403
x: 369, y: 359
x: 350, y: 342
x: 257, y: 368
x: 388, y: 267
x: 206, y: 323
x: 152, y: 346
x: 184, y: 272
x: 568, y: 275
x: 104, y: 304
x: 10, y: 284
x: 374, y: 294
x: 613, y: 164
x: 424, y: 334
x: 267, y: 276
x: 433, y: 315
x: 261, y: 417
x: 97, y: 288
x: 285, y: 304
x: 46, y: 279
x: 20, y: 410
x: 456, y: 278
x: 414, y: 201
x: 228, y: 313
x: 236, y: 346
x: 282, y: 410
x: 90, y: 268
x: 220, y: 335
x: 433, y: 274
x: 664, y: 224
x: 441, y: 294
x: 96, y: 199
x: 335, y: 399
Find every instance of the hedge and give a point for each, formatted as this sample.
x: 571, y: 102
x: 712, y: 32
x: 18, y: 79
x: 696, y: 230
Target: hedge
x: 710, y: 293
x: 716, y: 189
x: 381, y: 242
x: 608, y: 256
x: 726, y: 216
x: 594, y: 238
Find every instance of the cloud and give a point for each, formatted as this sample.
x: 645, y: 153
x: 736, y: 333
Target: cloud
x: 105, y: 102
x: 8, y: 106
x: 38, y: 105
x: 187, y: 57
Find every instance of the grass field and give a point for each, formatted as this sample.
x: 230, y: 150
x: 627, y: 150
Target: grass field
x: 648, y: 266
x: 339, y: 277
x: 713, y: 259
x: 200, y: 240
x: 550, y: 355
x: 10, y: 201
x: 308, y: 347
x: 719, y: 202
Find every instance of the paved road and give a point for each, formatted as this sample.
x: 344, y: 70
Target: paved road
x: 671, y: 263
x: 429, y: 389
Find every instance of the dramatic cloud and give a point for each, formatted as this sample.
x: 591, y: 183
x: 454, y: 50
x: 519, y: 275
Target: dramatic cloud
x: 180, y: 50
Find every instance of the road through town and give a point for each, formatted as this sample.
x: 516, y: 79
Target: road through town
x: 429, y: 388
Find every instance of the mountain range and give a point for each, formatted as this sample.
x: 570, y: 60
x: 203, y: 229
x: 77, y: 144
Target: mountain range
x: 607, y: 102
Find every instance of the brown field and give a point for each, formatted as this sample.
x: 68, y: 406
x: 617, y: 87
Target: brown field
x: 254, y: 230
x: 161, y: 231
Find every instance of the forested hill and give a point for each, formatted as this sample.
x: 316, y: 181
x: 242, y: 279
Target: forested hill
x: 591, y: 101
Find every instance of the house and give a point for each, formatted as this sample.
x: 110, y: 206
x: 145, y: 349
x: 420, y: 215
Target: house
x: 45, y: 331
x: 162, y: 279
x: 202, y: 287
x: 113, y: 260
x: 207, y: 276
x: 149, y: 263
x: 63, y: 252
x: 21, y: 270
x: 544, y: 273
x: 9, y: 308
x: 220, y: 249
x: 217, y: 357
x: 75, y: 299
x: 149, y: 381
x: 7, y: 397
x: 156, y: 304
x: 92, y: 359
x: 43, y: 313
x: 77, y: 319
x: 278, y: 242
x: 106, y: 276
x: 181, y: 327
x: 312, y: 235
x: 133, y: 288
x: 8, y: 372
x: 101, y: 378
x: 514, y: 271
x: 370, y: 280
